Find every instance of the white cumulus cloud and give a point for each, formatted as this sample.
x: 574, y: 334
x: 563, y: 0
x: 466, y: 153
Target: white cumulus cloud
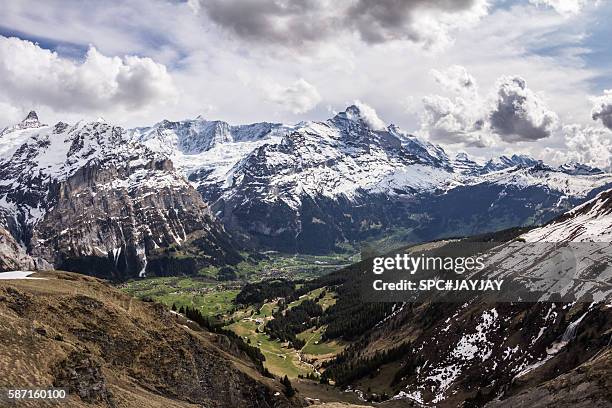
x: 369, y: 116
x: 33, y: 75
x: 564, y: 7
x: 457, y: 79
x: 454, y: 121
x: 589, y: 145
x: 510, y: 113
x: 299, y: 97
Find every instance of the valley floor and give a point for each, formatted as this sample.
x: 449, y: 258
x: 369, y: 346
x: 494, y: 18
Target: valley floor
x: 215, y: 299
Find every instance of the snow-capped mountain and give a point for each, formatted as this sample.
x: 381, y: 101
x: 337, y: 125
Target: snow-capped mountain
x: 464, y: 165
x: 309, y: 186
x: 505, y: 162
x: 192, y: 137
x: 94, y: 191
x: 29, y: 122
x: 579, y: 169
x: 86, y: 197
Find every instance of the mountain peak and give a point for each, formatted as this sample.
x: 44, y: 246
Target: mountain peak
x: 352, y: 113
x: 575, y: 168
x: 464, y: 164
x: 361, y: 113
x: 29, y: 122
x: 32, y: 117
x: 503, y: 162
x: 353, y: 110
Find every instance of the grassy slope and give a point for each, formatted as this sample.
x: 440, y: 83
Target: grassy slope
x: 138, y: 346
x: 280, y: 359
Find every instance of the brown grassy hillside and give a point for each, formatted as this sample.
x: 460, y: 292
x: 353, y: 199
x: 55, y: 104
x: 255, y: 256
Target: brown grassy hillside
x: 110, y: 350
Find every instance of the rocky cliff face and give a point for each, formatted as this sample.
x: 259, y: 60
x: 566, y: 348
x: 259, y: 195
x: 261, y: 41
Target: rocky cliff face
x: 86, y: 198
x: 110, y: 350
x: 14, y: 257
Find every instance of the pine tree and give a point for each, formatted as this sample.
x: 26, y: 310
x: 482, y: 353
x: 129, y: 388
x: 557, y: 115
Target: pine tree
x: 289, y: 390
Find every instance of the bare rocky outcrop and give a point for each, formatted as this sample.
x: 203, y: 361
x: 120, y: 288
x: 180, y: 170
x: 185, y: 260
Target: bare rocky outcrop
x: 13, y: 256
x: 79, y: 374
x: 587, y: 386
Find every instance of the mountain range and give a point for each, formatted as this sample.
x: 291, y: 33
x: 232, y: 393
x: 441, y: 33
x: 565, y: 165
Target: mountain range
x: 123, y: 202
x: 311, y: 186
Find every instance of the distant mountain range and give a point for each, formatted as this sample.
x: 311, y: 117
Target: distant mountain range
x: 116, y: 203
x: 308, y: 187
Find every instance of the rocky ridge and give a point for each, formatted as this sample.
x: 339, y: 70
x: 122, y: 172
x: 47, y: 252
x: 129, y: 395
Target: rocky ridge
x: 84, y: 197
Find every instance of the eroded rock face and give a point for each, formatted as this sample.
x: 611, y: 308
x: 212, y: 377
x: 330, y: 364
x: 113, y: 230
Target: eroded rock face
x: 13, y: 256
x: 111, y: 219
x: 81, y: 375
x: 86, y: 199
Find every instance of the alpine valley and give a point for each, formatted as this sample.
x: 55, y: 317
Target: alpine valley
x: 154, y: 210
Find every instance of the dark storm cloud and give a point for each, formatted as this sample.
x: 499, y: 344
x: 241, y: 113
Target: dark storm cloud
x: 292, y: 22
x: 272, y: 21
x: 603, y: 109
x: 519, y: 114
x: 384, y: 20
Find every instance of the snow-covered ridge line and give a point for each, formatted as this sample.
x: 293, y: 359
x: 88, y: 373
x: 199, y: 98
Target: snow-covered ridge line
x: 276, y: 170
x: 589, y: 222
x: 340, y: 157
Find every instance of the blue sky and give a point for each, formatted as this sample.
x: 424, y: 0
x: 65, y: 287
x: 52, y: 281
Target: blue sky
x: 135, y: 63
